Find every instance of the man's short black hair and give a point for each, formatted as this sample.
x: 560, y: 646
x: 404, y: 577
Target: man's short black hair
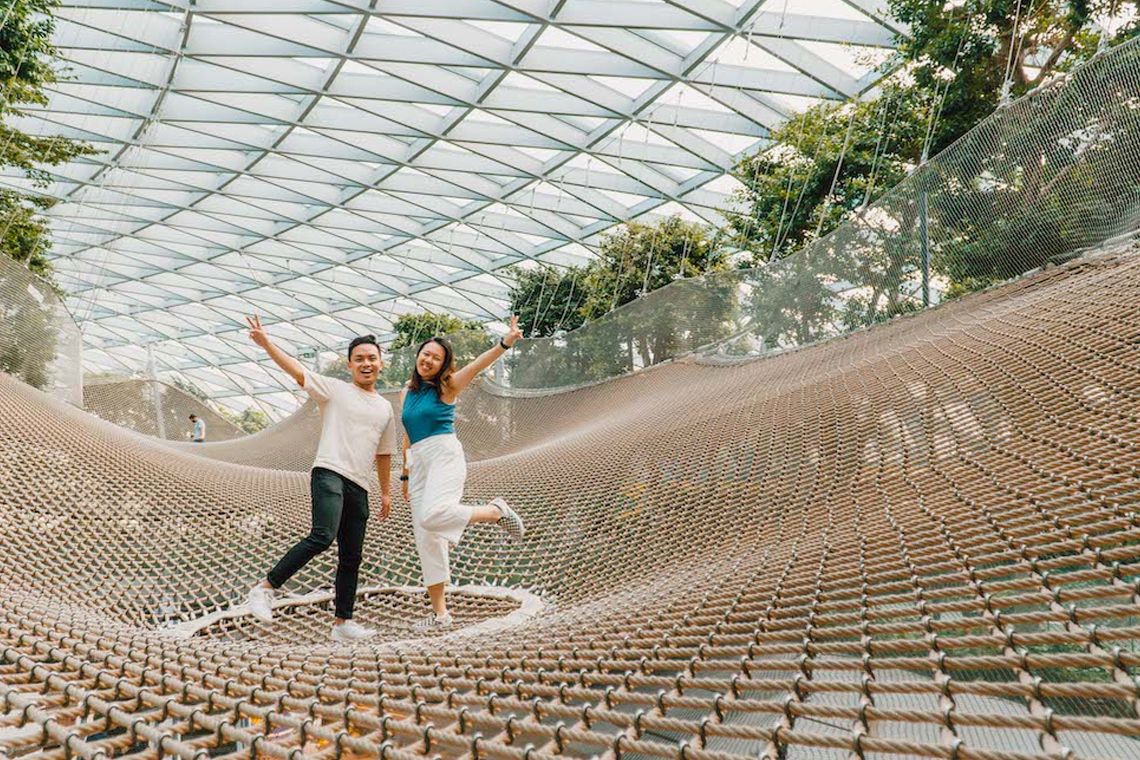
x: 193, y: 416
x: 363, y: 340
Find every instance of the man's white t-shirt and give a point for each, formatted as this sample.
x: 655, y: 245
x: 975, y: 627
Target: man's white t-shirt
x: 356, y: 426
x: 200, y: 430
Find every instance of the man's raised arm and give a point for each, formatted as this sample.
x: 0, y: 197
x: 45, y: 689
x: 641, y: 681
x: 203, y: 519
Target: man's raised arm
x: 291, y: 366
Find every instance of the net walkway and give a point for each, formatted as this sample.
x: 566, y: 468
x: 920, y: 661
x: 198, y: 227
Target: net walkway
x: 916, y: 541
x: 154, y: 408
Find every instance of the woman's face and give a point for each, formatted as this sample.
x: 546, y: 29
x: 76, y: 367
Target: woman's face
x: 429, y: 361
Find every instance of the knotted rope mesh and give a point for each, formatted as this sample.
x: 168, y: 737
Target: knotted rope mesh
x: 1052, y: 173
x: 40, y: 343
x: 914, y: 541
x: 919, y: 540
x: 154, y: 408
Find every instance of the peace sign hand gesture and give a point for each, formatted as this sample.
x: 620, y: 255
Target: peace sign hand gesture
x: 256, y: 332
x: 514, y: 333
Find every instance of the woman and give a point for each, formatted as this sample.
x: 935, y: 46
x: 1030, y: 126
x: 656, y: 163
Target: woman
x: 434, y: 468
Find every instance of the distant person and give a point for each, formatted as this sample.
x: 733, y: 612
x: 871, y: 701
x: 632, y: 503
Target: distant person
x: 199, y: 434
x: 434, y: 467
x: 358, y: 433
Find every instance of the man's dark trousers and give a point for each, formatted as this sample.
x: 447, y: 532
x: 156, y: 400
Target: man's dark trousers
x: 340, y: 512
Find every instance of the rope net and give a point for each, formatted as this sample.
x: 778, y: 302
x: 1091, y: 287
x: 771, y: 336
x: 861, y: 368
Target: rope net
x: 914, y: 541
x: 39, y: 341
x: 1051, y: 174
x: 919, y: 540
x: 154, y: 408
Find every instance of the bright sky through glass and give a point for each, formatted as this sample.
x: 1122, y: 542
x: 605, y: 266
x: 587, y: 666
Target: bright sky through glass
x: 331, y: 167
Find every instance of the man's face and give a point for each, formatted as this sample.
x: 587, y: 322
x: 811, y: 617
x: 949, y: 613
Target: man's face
x: 365, y: 365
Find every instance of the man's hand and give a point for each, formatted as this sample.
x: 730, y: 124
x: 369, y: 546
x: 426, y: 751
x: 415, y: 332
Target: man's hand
x: 258, y: 335
x: 404, y: 487
x: 256, y: 332
x: 385, y: 506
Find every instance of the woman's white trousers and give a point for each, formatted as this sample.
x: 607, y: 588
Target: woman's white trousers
x: 436, y: 473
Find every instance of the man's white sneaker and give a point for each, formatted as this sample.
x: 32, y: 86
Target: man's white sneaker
x: 260, y: 601
x: 434, y: 621
x: 350, y: 631
x: 510, y: 522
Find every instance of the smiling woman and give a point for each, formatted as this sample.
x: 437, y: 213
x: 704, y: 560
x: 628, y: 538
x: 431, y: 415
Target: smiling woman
x: 435, y: 469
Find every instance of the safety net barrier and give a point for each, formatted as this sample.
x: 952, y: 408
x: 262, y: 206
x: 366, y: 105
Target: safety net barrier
x: 916, y: 541
x: 39, y: 341
x: 154, y: 408
x: 1053, y: 173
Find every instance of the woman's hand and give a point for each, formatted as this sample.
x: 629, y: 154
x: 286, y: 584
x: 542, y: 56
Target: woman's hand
x: 404, y: 488
x: 514, y: 333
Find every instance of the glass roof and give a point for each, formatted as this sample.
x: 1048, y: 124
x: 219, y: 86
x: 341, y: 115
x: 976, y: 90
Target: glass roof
x: 333, y: 164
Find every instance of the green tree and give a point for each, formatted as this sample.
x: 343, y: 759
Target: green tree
x: 28, y: 327
x: 640, y: 257
x: 547, y: 300
x: 337, y: 368
x: 980, y: 51
x: 413, y: 329
x: 251, y: 420
x: 999, y: 212
x: 25, y: 237
x: 1021, y: 198
x: 822, y: 167
x: 28, y: 64
x: 633, y: 261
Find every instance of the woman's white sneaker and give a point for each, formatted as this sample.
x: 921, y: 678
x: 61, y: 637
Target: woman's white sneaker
x: 260, y: 603
x: 433, y: 621
x: 350, y: 631
x: 510, y: 522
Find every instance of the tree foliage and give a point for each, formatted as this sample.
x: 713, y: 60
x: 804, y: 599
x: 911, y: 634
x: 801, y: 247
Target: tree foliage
x: 548, y: 300
x: 338, y: 368
x: 413, y: 329
x: 251, y: 420
x: 823, y: 166
x: 1000, y: 203
x: 968, y: 51
x: 28, y: 65
x: 639, y: 258
x: 632, y: 261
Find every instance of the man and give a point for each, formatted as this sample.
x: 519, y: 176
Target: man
x: 358, y: 432
x: 199, y: 434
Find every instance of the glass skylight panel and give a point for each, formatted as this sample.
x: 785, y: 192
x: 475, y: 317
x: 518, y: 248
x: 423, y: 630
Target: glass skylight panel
x: 275, y: 161
x: 511, y: 32
x: 678, y: 41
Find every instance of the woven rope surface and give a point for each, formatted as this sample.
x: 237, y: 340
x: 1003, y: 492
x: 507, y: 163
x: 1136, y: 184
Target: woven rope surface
x: 917, y: 541
x: 154, y: 408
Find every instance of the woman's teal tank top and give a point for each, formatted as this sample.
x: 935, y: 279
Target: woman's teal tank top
x: 425, y: 415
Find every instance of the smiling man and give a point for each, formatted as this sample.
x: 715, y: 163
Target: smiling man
x: 357, y: 434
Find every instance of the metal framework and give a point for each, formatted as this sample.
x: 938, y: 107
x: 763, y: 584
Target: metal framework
x: 332, y: 164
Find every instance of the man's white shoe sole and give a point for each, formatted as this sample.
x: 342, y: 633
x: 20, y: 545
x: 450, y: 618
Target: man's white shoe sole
x: 340, y: 638
x: 260, y: 609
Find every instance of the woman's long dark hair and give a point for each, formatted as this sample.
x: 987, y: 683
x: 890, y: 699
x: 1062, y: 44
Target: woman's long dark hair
x: 445, y: 369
